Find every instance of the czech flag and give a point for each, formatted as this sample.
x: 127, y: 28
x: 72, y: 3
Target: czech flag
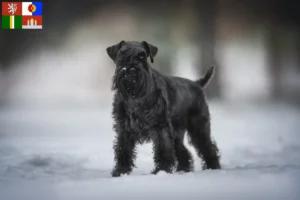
x: 31, y: 8
x: 11, y: 8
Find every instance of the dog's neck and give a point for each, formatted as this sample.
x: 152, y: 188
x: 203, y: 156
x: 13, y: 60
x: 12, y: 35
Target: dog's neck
x: 143, y: 91
x: 149, y: 91
x: 137, y: 104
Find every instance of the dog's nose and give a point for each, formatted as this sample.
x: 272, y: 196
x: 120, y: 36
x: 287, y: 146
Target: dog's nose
x: 132, y: 70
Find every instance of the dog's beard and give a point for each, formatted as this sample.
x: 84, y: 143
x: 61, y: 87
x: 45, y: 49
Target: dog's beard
x: 133, y: 85
x: 129, y: 83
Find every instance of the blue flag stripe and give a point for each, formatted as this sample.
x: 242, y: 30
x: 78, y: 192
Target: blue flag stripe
x: 38, y: 11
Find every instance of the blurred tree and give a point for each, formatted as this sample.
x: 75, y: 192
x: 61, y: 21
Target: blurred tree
x: 298, y: 50
x: 274, y: 59
x: 279, y: 15
x: 155, y: 21
x: 207, y: 14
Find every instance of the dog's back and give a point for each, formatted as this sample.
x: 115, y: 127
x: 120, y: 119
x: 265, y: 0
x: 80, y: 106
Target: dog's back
x: 185, y: 97
x: 189, y: 112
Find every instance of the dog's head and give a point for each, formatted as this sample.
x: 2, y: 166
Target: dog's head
x: 133, y: 73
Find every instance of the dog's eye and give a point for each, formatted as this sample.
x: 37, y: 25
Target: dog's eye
x: 142, y: 57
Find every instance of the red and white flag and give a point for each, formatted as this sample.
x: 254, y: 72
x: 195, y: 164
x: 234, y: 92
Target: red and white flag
x: 32, y: 22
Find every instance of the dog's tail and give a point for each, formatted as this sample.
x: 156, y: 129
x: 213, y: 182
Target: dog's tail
x: 203, y: 82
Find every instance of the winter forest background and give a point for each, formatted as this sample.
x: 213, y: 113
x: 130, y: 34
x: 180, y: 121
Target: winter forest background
x: 55, y: 97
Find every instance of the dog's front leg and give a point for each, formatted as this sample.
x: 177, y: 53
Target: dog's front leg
x: 125, y: 154
x: 164, y: 154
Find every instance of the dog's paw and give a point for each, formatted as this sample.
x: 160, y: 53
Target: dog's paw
x: 120, y: 172
x: 157, y: 170
x: 184, y: 169
x: 115, y: 173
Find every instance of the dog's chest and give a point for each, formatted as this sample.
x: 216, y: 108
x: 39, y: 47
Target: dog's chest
x: 143, y: 115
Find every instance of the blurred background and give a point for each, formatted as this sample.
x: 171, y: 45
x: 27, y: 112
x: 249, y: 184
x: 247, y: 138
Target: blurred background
x: 57, y: 81
x: 254, y: 44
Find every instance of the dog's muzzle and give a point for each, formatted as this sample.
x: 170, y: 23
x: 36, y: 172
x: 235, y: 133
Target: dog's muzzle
x: 129, y: 70
x: 129, y: 74
x: 129, y: 79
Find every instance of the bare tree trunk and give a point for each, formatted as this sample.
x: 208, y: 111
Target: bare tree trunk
x: 207, y: 15
x: 298, y: 51
x: 274, y: 59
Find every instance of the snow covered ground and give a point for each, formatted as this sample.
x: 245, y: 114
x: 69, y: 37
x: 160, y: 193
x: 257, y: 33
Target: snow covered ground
x: 67, y: 154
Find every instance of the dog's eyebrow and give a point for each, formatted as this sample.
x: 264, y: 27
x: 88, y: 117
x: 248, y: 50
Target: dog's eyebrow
x: 125, y: 53
x: 129, y: 52
x: 141, y: 53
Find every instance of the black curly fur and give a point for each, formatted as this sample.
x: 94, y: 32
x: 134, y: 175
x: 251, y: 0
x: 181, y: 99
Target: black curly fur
x: 149, y: 106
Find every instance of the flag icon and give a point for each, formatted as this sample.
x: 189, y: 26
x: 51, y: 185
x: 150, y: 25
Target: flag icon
x: 12, y: 22
x: 22, y: 15
x: 31, y: 8
x: 11, y: 8
x: 32, y: 22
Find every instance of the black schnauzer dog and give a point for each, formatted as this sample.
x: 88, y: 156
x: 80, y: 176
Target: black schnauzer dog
x: 149, y: 106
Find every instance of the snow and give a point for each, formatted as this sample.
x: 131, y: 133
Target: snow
x: 67, y: 154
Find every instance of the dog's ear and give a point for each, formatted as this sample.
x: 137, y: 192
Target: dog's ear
x: 150, y: 49
x: 112, y: 51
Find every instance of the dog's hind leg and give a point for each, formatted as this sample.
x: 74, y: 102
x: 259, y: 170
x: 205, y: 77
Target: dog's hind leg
x: 184, y: 157
x: 199, y: 131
